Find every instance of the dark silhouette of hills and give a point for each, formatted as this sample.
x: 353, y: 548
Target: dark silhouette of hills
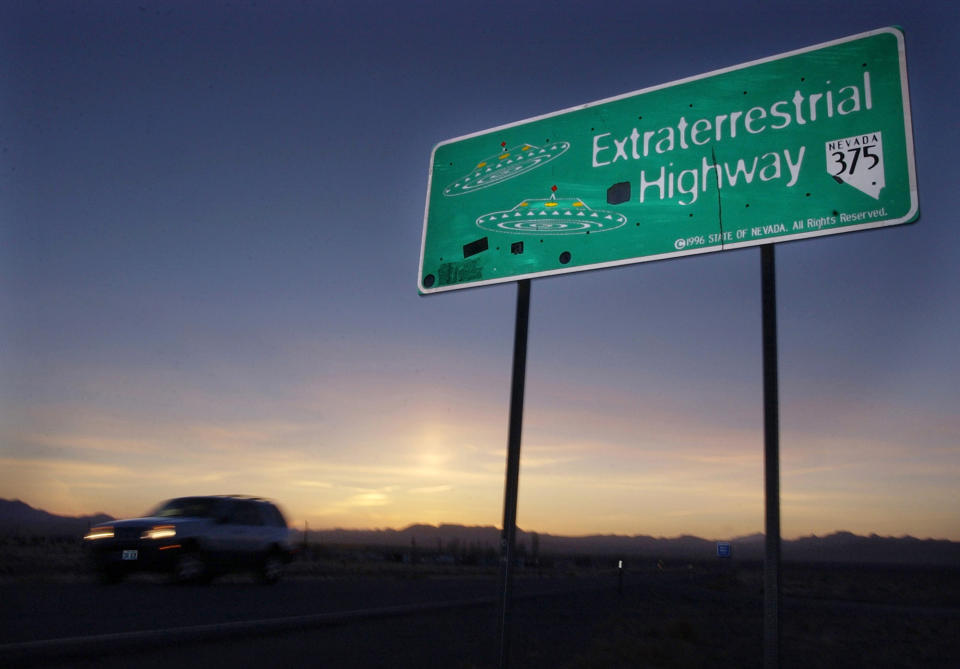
x: 836, y: 547
x: 20, y: 519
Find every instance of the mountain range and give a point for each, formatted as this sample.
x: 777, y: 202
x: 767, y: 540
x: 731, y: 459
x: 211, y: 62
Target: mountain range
x: 836, y: 547
x: 20, y: 519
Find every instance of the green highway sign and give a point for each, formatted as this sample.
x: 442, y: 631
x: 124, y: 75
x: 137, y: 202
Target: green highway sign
x: 812, y: 142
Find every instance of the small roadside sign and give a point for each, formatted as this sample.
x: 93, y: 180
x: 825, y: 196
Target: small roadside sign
x: 724, y: 549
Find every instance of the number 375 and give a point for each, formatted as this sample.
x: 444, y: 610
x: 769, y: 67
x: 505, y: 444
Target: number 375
x: 840, y: 159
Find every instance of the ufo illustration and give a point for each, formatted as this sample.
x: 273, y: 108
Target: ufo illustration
x: 552, y: 216
x: 509, y: 163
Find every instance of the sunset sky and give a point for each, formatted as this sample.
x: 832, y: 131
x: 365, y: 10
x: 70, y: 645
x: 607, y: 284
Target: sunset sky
x: 210, y: 222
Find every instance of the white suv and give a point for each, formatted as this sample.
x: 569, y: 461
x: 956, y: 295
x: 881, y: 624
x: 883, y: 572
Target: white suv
x: 195, y: 539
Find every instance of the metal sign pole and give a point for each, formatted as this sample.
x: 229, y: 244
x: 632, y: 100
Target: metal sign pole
x: 509, y: 537
x: 771, y: 462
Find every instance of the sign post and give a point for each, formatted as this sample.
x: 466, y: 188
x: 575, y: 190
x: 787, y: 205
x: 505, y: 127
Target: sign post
x: 771, y: 461
x: 812, y: 142
x: 508, y: 539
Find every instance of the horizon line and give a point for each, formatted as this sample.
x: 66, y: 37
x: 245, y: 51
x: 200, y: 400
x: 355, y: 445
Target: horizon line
x: 408, y: 526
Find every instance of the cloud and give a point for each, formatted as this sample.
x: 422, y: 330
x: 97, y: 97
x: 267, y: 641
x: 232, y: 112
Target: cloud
x: 313, y: 484
x: 604, y: 467
x: 431, y: 490
x: 63, y: 467
x: 367, y: 499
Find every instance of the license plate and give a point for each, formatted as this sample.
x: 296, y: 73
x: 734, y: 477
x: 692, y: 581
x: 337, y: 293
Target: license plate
x: 129, y: 555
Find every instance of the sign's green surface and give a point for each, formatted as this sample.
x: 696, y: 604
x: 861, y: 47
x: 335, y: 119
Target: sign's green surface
x: 812, y: 142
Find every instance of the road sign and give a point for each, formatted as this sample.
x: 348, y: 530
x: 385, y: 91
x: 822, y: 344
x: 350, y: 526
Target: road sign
x: 811, y: 142
x: 723, y: 549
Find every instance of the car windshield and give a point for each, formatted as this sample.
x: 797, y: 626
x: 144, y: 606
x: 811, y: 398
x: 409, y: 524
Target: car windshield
x: 186, y: 507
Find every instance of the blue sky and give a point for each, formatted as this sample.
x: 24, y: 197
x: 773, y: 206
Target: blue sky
x: 210, y: 221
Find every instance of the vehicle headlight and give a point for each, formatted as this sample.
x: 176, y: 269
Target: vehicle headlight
x: 160, y: 532
x: 105, y: 532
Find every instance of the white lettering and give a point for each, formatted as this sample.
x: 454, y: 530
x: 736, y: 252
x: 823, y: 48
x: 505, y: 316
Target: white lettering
x: 682, y: 127
x: 597, y: 149
x: 774, y: 111
x: 621, y: 151
x: 733, y: 123
x: 771, y: 171
x: 854, y: 101
x: 644, y: 184
x: 741, y: 168
x: 748, y: 121
x: 666, y: 142
x: 634, y: 136
x: 691, y: 190
x: 704, y: 168
x: 797, y: 101
x: 794, y: 167
x: 702, y: 125
x: 813, y: 105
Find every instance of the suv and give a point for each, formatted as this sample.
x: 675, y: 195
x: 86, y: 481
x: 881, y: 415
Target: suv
x: 195, y: 539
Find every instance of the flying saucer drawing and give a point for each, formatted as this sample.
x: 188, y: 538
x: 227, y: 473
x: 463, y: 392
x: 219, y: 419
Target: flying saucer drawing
x: 509, y: 163
x: 552, y: 216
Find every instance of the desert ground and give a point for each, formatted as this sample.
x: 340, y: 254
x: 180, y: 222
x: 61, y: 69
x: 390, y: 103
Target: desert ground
x: 575, y: 613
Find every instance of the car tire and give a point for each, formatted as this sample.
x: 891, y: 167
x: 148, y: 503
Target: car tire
x: 190, y: 567
x: 271, y: 569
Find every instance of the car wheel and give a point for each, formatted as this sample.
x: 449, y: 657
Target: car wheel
x: 190, y: 568
x: 271, y: 569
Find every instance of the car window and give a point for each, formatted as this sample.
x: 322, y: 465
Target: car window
x: 247, y: 514
x: 186, y: 507
x: 271, y: 516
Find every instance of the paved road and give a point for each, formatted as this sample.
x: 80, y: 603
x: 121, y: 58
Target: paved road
x: 151, y: 622
x: 580, y: 622
x: 72, y: 623
x: 58, y: 610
